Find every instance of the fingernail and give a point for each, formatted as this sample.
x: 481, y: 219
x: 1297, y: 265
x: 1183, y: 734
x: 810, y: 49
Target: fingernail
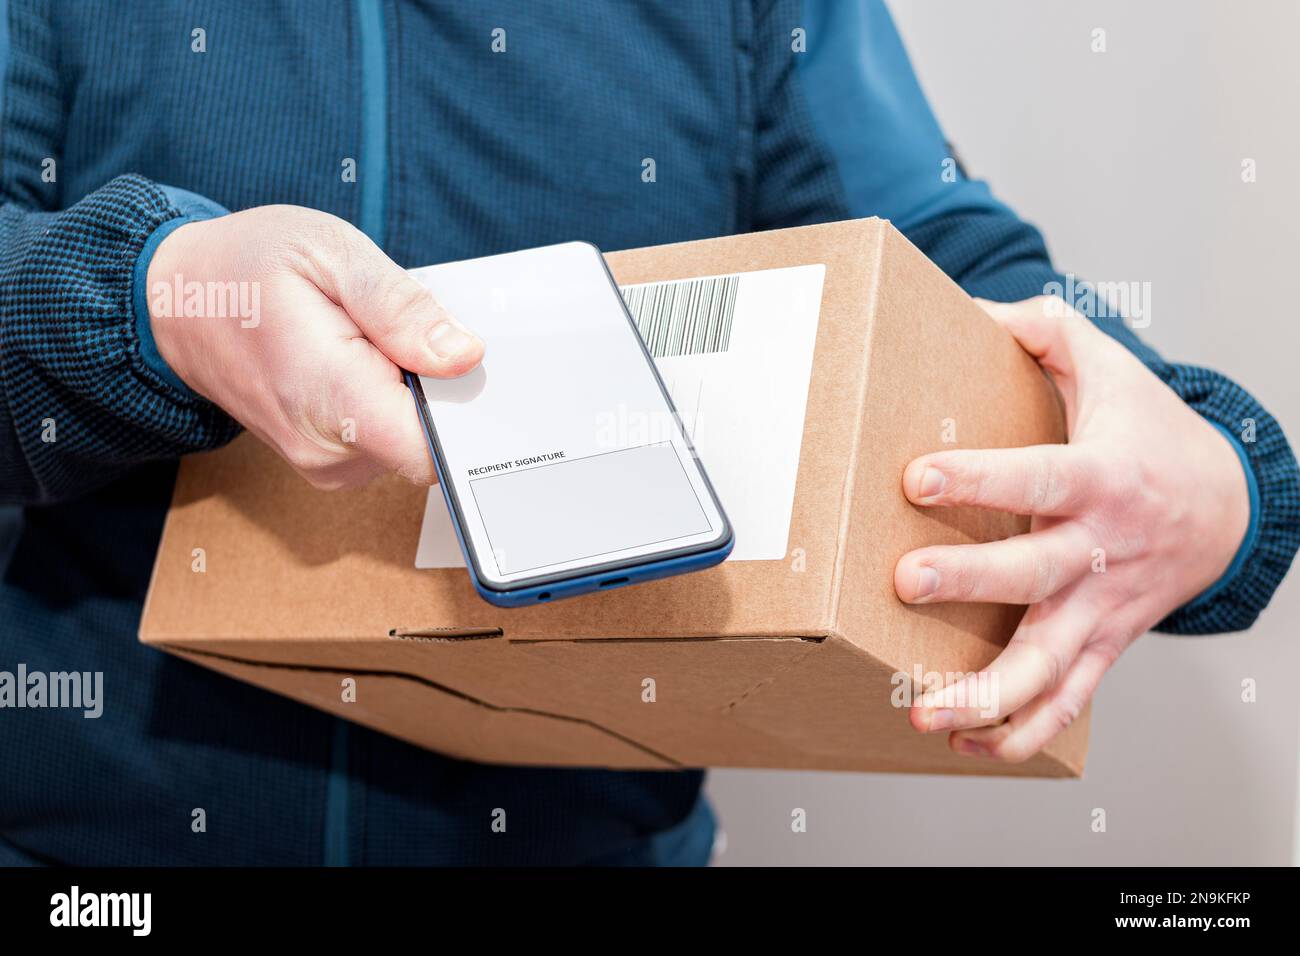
x: 449, y: 341
x: 971, y: 749
x: 941, y: 720
x: 931, y: 483
x: 927, y: 582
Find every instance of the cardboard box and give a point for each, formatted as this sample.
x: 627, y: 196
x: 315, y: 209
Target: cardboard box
x: 784, y: 664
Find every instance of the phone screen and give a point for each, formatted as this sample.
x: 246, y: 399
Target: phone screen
x: 562, y: 453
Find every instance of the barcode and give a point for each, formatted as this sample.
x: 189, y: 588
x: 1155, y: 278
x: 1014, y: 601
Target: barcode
x: 686, y: 317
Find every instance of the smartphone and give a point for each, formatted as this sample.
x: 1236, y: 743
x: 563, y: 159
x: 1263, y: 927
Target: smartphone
x: 564, y: 464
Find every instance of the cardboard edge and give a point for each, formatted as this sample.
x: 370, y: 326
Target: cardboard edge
x: 851, y: 473
x: 885, y: 238
x: 809, y: 229
x: 210, y: 659
x: 1066, y: 767
x: 458, y: 635
x: 141, y: 626
x: 1071, y: 763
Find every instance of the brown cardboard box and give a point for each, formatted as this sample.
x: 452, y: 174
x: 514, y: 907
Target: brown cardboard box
x: 755, y: 664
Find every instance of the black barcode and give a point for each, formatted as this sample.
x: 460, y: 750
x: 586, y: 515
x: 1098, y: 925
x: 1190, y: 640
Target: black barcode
x: 687, y: 317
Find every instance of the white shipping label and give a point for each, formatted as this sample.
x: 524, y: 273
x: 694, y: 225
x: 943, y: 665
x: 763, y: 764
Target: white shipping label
x: 736, y: 354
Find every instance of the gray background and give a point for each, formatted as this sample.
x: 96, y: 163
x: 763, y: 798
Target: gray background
x: 1129, y: 161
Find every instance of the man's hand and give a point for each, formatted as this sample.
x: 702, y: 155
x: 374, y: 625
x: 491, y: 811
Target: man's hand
x: 315, y: 373
x: 1145, y: 489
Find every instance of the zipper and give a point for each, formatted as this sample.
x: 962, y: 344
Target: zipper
x: 372, y: 174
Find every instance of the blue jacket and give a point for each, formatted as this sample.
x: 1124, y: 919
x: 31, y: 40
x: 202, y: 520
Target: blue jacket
x: 459, y: 151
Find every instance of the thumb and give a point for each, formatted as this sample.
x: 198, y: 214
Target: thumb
x: 1046, y: 327
x: 397, y: 314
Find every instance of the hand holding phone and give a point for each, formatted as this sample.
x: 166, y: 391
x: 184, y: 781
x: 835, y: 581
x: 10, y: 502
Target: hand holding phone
x: 313, y: 325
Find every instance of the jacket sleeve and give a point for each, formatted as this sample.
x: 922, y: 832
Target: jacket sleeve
x: 845, y: 131
x: 83, y: 397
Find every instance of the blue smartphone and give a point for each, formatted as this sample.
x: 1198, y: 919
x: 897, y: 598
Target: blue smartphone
x: 563, y: 462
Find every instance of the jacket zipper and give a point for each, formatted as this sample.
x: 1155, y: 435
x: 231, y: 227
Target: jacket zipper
x: 372, y: 174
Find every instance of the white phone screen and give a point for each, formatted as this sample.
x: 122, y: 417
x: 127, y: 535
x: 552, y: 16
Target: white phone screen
x: 562, y: 451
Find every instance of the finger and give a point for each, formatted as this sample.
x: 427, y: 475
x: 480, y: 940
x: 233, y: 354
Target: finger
x: 1037, y: 480
x: 394, y: 311
x: 1031, y: 728
x: 1046, y: 327
x: 1025, y: 569
x: 1044, y: 646
x: 398, y: 442
x: 381, y: 423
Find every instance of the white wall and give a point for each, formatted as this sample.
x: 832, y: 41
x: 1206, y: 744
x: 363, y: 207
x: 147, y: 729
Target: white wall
x: 1129, y: 161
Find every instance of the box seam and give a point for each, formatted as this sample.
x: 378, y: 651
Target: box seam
x: 180, y: 641
x: 157, y: 557
x: 850, y: 478
x: 432, y: 685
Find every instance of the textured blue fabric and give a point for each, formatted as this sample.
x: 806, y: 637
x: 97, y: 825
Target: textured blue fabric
x: 485, y: 152
x: 83, y: 406
x: 149, y: 353
x: 868, y: 110
x: 689, y: 843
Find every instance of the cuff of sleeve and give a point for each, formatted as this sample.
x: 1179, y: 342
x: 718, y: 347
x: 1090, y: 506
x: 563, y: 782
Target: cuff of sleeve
x: 1273, y: 482
x: 1252, y: 528
x: 192, y: 208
